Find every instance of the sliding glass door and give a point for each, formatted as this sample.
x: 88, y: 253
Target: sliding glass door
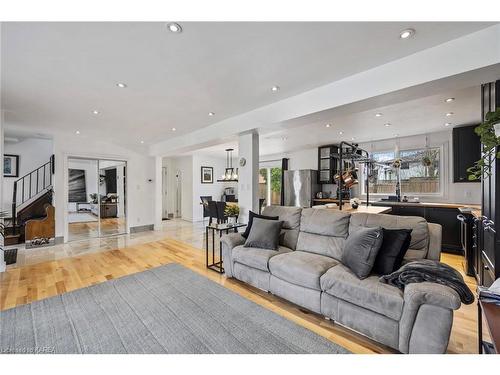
x: 96, y: 204
x: 270, y: 183
x: 112, y: 196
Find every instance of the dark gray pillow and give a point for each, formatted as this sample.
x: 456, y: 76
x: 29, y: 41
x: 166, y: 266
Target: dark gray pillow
x: 360, y: 250
x: 265, y: 234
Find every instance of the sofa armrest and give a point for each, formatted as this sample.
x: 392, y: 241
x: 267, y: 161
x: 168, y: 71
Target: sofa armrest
x: 427, y: 317
x: 435, y: 241
x: 228, y: 243
x: 417, y: 294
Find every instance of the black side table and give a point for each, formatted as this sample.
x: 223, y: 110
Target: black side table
x: 220, y: 229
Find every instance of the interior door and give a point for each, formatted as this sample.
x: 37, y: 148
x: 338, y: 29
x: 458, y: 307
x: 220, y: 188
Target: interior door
x: 164, y: 189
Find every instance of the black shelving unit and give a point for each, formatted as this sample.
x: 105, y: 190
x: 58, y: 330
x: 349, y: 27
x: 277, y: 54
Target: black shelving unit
x: 350, y: 153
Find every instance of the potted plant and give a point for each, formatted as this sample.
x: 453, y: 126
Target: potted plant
x: 489, y: 132
x: 232, y: 212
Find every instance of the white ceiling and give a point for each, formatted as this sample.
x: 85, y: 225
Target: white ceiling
x: 422, y: 115
x: 55, y: 74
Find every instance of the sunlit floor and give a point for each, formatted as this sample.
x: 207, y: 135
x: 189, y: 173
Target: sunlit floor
x: 90, y: 229
x: 185, y: 231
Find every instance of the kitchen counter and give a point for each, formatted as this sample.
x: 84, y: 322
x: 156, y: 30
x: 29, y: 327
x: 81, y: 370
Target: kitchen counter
x: 325, y: 200
x: 425, y: 204
x: 362, y: 208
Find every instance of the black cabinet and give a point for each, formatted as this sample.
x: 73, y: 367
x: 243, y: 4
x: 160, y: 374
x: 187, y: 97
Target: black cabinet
x: 489, y: 241
x: 327, y: 164
x: 445, y: 216
x: 466, y: 151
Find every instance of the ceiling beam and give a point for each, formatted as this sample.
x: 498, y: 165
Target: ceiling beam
x: 470, y: 52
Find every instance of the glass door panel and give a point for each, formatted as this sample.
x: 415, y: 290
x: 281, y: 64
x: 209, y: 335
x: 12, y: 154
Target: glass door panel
x: 82, y: 206
x: 112, y: 197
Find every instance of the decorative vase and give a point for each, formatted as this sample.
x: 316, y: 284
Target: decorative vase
x: 231, y: 220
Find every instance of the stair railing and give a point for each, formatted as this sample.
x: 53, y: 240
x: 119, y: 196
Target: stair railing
x: 36, y: 181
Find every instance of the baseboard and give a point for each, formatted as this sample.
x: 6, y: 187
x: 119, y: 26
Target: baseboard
x: 142, y: 228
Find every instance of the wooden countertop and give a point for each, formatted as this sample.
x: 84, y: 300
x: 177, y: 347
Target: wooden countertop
x: 426, y: 204
x: 491, y: 313
x: 326, y: 200
x: 362, y: 208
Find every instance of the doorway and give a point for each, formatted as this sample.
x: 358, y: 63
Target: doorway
x: 164, y: 191
x: 97, y: 196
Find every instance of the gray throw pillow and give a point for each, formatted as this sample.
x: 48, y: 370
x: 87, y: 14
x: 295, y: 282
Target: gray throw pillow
x: 360, y: 250
x: 265, y: 234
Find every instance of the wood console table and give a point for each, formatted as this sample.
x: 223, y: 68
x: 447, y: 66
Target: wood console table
x: 490, y: 313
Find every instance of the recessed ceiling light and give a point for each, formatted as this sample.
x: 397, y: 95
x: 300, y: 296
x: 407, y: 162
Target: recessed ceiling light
x: 328, y: 125
x: 142, y: 142
x: 121, y: 85
x: 174, y: 27
x: 77, y: 132
x: 95, y: 112
x: 352, y: 138
x: 378, y: 114
x: 275, y: 88
x: 341, y: 133
x: 174, y: 129
x: 449, y: 100
x: 405, y: 34
x: 396, y: 135
x: 449, y: 114
x: 447, y: 124
x: 387, y: 125
x: 211, y: 113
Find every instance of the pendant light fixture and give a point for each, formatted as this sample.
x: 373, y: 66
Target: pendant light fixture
x: 230, y: 174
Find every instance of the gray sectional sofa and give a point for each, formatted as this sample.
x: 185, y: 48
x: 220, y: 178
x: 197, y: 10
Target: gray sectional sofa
x: 307, y: 271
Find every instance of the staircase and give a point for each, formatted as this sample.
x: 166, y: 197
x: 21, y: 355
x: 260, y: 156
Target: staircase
x: 31, y: 194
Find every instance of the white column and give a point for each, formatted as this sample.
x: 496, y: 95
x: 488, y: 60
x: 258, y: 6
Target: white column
x: 248, y: 176
x: 158, y: 198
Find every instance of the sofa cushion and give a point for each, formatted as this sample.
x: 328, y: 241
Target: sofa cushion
x: 393, y: 249
x: 251, y: 216
x: 368, y: 293
x: 361, y: 249
x: 323, y: 232
x: 419, y: 242
x: 301, y: 268
x: 291, y: 223
x: 256, y: 257
x: 264, y: 234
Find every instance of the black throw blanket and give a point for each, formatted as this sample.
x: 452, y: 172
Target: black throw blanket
x: 432, y: 271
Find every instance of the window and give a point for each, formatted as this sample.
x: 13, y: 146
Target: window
x: 420, y: 172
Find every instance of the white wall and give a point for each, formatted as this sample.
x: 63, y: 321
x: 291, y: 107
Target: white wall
x: 140, y: 168
x: 216, y: 189
x: 33, y: 153
x: 465, y: 193
x: 192, y: 188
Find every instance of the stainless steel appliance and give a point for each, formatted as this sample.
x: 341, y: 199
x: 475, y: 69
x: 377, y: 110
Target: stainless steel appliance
x: 300, y: 187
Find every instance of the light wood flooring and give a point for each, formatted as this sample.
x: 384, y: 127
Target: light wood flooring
x: 90, y: 229
x: 38, y: 280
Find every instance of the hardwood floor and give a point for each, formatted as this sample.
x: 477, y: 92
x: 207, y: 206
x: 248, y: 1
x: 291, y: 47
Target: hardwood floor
x: 20, y: 285
x: 90, y: 229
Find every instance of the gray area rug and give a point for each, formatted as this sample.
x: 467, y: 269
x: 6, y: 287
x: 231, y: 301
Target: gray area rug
x: 168, y: 309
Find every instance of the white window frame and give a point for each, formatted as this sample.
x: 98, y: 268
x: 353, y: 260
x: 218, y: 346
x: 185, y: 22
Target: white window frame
x: 442, y: 174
